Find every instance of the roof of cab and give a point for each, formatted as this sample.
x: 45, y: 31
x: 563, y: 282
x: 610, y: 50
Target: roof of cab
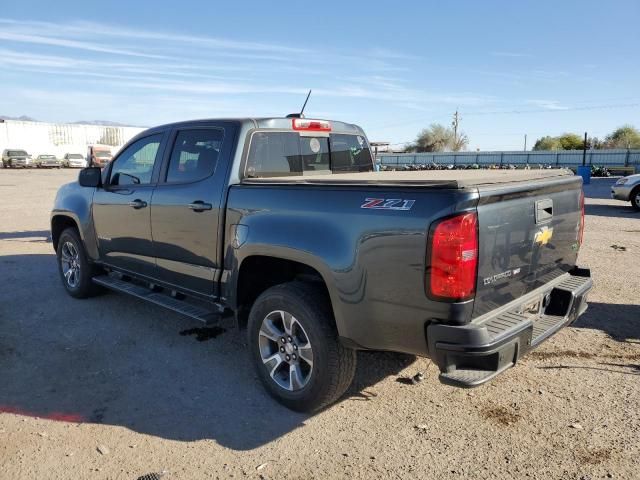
x: 280, y: 123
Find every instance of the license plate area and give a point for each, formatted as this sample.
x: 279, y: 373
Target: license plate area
x: 530, y: 308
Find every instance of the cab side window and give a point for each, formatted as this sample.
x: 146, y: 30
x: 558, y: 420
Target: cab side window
x: 134, y: 166
x: 195, y: 155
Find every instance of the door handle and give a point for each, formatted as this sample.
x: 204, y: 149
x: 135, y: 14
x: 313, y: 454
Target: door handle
x: 199, y: 206
x: 138, y: 204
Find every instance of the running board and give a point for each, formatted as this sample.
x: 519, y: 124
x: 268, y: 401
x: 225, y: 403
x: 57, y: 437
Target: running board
x: 196, y: 312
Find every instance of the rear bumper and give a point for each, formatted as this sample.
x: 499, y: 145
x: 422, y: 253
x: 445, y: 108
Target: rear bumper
x: 472, y: 354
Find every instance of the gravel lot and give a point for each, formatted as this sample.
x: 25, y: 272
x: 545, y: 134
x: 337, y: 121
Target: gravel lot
x: 113, y: 388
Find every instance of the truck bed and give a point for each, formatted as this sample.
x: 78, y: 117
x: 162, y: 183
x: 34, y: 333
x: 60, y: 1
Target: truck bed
x: 432, y: 178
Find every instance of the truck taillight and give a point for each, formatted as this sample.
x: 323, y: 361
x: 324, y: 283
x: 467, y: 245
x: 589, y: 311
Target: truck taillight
x: 310, y: 125
x: 581, y: 232
x: 452, y: 272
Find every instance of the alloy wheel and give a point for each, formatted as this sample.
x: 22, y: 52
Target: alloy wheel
x: 70, y: 261
x: 285, y: 350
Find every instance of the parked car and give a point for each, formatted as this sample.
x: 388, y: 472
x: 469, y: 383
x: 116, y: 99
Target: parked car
x: 74, y: 160
x: 627, y: 189
x: 98, y: 156
x: 16, y: 158
x: 281, y: 225
x: 46, y: 160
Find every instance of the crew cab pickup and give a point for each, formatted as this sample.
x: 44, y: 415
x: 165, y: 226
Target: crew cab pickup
x: 280, y: 225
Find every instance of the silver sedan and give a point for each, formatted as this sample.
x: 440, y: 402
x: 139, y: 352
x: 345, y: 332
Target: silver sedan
x: 628, y: 190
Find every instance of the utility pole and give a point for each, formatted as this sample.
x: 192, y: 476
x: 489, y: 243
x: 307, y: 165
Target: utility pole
x: 584, y: 150
x: 454, y: 124
x: 525, y: 142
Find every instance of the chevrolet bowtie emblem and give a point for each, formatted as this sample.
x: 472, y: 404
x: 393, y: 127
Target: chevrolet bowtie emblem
x: 543, y: 236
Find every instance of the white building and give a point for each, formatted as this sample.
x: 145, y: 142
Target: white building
x: 60, y: 138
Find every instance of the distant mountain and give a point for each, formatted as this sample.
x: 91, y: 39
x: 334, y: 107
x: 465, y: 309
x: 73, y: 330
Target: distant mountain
x: 101, y: 122
x: 104, y: 123
x: 22, y: 118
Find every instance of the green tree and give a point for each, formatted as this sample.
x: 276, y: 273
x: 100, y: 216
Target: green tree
x: 571, y: 141
x: 623, y: 137
x: 547, y: 143
x: 566, y: 141
x: 438, y: 138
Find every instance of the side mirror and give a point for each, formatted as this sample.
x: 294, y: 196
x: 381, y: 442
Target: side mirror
x: 90, y: 177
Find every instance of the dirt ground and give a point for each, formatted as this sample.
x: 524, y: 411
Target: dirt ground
x: 114, y: 388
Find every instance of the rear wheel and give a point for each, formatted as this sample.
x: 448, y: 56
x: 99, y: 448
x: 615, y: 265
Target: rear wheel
x: 295, y: 348
x: 75, y: 270
x: 635, y: 198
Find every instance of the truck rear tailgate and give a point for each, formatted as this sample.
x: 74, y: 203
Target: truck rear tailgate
x: 528, y: 235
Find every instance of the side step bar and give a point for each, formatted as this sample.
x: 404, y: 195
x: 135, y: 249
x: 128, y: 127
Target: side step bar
x: 196, y: 312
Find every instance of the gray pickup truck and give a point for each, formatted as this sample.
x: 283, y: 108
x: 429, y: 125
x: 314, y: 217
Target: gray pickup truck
x: 279, y: 225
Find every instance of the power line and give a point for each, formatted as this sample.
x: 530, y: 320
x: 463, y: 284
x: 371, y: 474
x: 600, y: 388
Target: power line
x: 525, y: 111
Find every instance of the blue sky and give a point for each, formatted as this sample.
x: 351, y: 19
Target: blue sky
x: 511, y: 68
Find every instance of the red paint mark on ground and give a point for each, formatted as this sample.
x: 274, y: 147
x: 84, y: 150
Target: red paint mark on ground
x: 57, y: 416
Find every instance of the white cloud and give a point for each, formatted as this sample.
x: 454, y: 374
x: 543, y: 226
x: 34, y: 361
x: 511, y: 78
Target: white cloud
x: 547, y: 104
x: 142, y: 66
x: 60, y: 42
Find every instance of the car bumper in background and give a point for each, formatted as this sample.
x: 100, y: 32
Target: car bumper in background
x: 472, y: 354
x: 77, y: 164
x: 621, y: 192
x: 20, y: 162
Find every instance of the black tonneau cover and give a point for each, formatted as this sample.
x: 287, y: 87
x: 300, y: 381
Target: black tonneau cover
x: 433, y: 178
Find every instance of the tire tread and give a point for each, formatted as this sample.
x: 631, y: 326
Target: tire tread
x: 341, y: 361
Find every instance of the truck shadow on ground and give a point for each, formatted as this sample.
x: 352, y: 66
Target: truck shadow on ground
x: 613, y: 211
x: 37, y: 235
x: 620, y: 322
x: 115, y: 360
x: 600, y: 188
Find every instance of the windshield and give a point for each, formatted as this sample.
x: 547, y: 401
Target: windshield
x: 274, y: 154
x: 75, y: 156
x: 17, y: 153
x: 103, y: 154
x: 47, y: 157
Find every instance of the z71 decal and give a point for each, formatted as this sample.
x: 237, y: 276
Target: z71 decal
x: 388, y: 204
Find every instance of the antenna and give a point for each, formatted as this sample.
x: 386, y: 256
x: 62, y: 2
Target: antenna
x: 305, y: 103
x: 300, y: 115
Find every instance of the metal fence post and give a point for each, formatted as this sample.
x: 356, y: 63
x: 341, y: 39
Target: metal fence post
x: 626, y: 158
x: 501, y: 157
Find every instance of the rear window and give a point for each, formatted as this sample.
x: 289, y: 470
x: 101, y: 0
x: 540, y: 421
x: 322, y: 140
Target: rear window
x: 276, y: 154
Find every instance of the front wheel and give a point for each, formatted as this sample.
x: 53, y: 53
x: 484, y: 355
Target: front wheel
x: 295, y: 348
x: 74, y: 267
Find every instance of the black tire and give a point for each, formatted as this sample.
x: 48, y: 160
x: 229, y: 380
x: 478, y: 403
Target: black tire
x: 635, y: 198
x: 334, y: 365
x: 82, y: 286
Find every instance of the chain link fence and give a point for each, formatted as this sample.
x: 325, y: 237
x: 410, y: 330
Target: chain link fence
x: 560, y: 158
